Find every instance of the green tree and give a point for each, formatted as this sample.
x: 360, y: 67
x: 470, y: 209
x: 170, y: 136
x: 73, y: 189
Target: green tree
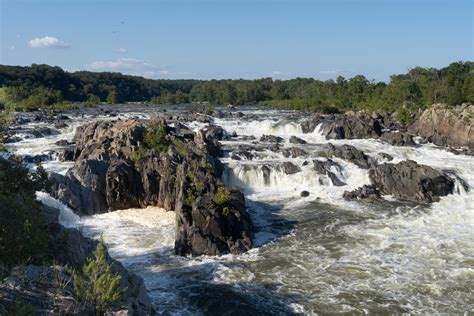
x: 112, y: 97
x: 96, y: 284
x: 92, y: 100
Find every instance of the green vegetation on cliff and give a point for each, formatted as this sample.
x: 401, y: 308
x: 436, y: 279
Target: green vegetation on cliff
x: 42, y: 85
x: 23, y: 237
x: 96, y: 284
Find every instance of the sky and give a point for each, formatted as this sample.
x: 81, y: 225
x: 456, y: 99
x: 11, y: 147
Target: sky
x: 217, y: 39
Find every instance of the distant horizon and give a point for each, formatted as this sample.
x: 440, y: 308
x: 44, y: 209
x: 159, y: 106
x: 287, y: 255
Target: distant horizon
x: 210, y: 39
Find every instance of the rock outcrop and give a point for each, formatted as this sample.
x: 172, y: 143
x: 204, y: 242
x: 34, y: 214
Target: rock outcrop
x: 351, y: 154
x: 410, y: 181
x: 114, y: 169
x: 447, y: 126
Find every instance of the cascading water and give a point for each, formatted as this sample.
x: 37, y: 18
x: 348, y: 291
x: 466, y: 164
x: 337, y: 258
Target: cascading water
x: 317, y: 254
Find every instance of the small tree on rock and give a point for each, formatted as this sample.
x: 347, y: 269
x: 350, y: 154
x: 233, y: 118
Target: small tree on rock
x: 96, y: 284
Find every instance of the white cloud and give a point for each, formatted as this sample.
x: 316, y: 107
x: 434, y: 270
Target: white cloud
x: 279, y: 74
x: 335, y: 71
x: 137, y: 67
x: 122, y: 50
x: 47, y: 41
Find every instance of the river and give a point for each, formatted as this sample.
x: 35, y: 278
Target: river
x: 317, y: 254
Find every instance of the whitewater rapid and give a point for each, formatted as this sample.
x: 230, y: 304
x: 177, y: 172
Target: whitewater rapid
x: 318, y: 254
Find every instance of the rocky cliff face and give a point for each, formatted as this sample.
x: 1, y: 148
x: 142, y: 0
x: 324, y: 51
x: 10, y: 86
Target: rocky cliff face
x: 115, y: 170
x: 447, y: 127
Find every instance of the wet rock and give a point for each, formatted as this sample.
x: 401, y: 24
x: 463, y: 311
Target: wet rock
x: 351, y: 154
x: 297, y: 140
x: 290, y: 168
x: 63, y: 142
x: 39, y: 132
x: 273, y: 147
x: 324, y: 168
x: 367, y: 193
x: 36, y: 159
x: 214, y: 132
x: 60, y: 125
x: 304, y: 194
x: 239, y: 154
x: 266, y: 170
x: 271, y: 139
x: 293, y: 152
x: 248, y: 137
x: 410, y: 181
x: 385, y: 156
x: 398, y: 139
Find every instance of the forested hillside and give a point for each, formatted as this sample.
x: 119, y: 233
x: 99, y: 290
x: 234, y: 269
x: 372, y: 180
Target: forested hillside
x: 25, y: 88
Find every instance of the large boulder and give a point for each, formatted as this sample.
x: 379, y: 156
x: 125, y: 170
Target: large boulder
x: 410, y: 181
x: 297, y: 140
x: 368, y: 193
x: 398, y: 138
x: 351, y: 154
x: 447, y: 126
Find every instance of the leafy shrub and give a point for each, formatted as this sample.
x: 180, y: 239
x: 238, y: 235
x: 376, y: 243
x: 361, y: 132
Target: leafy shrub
x: 5, y: 120
x: 155, y: 137
x: 404, y: 116
x: 222, y: 196
x: 92, y: 101
x: 180, y: 147
x: 23, y: 237
x: 96, y: 284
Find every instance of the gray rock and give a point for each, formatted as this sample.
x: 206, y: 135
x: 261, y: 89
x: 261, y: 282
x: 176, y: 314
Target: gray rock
x: 398, y: 139
x: 304, y: 194
x: 324, y: 168
x: 293, y: 152
x: 290, y: 168
x: 368, y: 193
x: 297, y: 140
x: 351, y: 154
x: 410, y: 181
x: 271, y: 139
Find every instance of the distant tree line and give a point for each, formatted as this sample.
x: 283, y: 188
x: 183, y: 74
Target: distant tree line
x: 42, y: 85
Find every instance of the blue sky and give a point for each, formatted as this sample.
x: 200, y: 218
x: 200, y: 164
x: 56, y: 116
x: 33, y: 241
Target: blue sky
x: 238, y: 39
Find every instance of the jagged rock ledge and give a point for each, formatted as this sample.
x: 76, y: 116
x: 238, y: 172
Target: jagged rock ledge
x: 128, y: 163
